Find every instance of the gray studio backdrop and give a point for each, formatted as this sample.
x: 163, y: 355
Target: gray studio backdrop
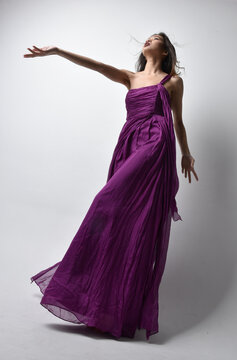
x: 59, y: 125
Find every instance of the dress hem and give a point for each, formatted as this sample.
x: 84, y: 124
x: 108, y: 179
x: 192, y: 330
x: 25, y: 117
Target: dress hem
x: 47, y: 303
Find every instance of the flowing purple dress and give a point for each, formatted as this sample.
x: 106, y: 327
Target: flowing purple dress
x: 110, y: 275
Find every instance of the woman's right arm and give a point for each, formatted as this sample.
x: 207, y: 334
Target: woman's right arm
x: 118, y: 75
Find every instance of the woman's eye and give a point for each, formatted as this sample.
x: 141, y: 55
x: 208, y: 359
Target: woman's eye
x: 154, y: 39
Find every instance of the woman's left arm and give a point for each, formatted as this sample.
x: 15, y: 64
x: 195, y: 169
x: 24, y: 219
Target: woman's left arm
x: 187, y: 162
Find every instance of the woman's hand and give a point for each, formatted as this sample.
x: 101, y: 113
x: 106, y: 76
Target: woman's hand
x: 187, y: 164
x: 44, y: 51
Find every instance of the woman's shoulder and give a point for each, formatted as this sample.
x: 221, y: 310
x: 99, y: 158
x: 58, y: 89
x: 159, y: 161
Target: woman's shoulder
x: 176, y: 86
x: 176, y: 79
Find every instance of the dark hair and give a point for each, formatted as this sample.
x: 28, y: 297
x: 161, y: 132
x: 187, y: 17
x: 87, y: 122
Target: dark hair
x: 169, y: 63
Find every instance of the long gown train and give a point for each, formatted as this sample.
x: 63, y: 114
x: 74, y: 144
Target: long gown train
x: 110, y: 275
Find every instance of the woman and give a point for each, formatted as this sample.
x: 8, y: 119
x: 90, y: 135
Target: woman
x: 110, y: 275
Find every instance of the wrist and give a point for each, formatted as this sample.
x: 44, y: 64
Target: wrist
x: 58, y: 51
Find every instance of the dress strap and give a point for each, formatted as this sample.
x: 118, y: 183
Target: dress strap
x: 165, y: 78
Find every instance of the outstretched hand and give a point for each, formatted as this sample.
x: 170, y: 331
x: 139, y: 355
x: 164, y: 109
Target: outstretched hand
x: 187, y: 164
x: 44, y: 51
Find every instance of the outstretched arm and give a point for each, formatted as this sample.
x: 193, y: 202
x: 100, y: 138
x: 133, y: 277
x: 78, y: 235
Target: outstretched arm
x: 111, y: 72
x: 114, y: 74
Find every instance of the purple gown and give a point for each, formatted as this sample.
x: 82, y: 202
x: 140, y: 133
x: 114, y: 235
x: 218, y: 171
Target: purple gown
x: 110, y: 275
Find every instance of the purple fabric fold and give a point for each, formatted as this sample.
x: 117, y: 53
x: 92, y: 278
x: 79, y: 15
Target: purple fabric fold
x: 109, y: 277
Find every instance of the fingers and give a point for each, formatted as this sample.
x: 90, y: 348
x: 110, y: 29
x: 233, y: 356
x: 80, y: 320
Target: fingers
x: 30, y: 55
x: 188, y: 171
x: 37, y: 48
x: 189, y: 176
x: 33, y: 52
x: 36, y: 52
x: 195, y: 174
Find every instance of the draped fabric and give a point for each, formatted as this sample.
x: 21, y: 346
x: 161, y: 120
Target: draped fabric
x: 110, y: 275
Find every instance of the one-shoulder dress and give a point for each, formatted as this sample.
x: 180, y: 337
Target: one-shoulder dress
x: 110, y: 275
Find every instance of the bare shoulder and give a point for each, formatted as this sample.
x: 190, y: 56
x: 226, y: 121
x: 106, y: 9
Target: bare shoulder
x: 177, y: 85
x: 177, y: 89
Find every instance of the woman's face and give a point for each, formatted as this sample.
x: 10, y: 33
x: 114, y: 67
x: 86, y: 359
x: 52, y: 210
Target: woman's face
x: 153, y: 44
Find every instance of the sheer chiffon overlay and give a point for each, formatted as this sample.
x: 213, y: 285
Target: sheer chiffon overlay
x: 110, y: 275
